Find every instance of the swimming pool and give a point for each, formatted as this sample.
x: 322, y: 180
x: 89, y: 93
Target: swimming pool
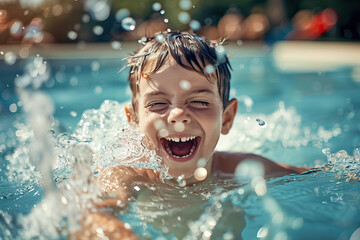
x: 301, y: 116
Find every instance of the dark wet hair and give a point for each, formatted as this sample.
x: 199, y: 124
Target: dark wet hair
x: 190, y: 51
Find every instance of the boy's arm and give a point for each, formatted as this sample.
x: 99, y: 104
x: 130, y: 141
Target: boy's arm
x: 226, y: 162
x: 117, y: 184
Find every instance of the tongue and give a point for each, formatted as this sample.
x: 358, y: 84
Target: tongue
x: 181, y: 148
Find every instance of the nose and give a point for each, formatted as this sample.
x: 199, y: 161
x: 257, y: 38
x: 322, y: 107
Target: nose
x: 178, y: 115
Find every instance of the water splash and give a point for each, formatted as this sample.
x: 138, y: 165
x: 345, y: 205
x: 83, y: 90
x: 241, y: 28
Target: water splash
x: 128, y: 23
x: 283, y: 126
x: 344, y: 166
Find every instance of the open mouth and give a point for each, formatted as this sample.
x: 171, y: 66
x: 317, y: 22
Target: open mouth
x: 180, y: 149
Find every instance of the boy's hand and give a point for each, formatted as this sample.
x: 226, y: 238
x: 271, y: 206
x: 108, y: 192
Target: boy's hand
x: 101, y: 226
x: 117, y: 184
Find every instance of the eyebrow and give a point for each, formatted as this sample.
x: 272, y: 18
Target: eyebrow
x: 196, y: 91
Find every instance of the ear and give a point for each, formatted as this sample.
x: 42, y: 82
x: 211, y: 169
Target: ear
x: 229, y: 115
x: 130, y: 113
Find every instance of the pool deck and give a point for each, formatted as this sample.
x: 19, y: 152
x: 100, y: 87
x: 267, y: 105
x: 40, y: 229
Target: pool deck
x: 288, y: 56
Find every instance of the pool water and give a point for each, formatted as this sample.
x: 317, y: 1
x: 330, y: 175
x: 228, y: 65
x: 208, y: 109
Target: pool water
x: 308, y: 118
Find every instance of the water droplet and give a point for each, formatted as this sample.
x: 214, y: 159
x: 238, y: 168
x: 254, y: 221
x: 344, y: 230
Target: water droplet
x: 13, y: 108
x: 64, y: 200
x: 355, y: 235
x: 184, y: 17
x: 85, y: 18
x: 195, y: 25
x: 162, y: 12
x: 159, y: 38
x: 10, y: 58
x: 201, y: 162
x: 73, y: 81
x: 184, y: 84
x: 166, y: 20
x: 95, y: 66
x: 248, y: 170
x: 38, y: 61
x: 185, y: 4
x: 72, y: 35
x: 209, y: 69
x: 281, y: 236
x: 156, y: 6
x: 163, y: 132
x: 181, y: 181
x: 297, y: 223
x: 159, y: 124
x: 73, y: 113
x: 200, y: 174
x: 220, y: 54
x: 165, y: 230
x: 116, y: 45
x: 262, y: 232
x: 142, y: 41
x: 326, y: 151
x: 128, y: 24
x: 260, y: 122
x: 179, y: 127
x: 259, y: 185
x: 207, y: 234
x: 16, y: 28
x: 98, y: 30
x: 98, y: 90
x: 100, y: 10
x: 121, y: 14
x: 57, y: 10
x: 239, y: 42
x: 248, y: 102
x: 228, y: 236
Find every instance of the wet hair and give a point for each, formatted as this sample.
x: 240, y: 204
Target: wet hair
x: 190, y: 51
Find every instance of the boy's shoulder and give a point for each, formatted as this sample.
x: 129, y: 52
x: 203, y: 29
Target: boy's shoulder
x: 224, y: 164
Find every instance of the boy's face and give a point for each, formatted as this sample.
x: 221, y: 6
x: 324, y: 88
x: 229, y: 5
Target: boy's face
x: 181, y: 113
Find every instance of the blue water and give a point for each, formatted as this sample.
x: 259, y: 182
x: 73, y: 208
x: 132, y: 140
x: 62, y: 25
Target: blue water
x: 305, y: 112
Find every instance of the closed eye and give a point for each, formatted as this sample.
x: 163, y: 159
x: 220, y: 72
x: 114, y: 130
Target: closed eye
x: 200, y: 103
x: 156, y: 106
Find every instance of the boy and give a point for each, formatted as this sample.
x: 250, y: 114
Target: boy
x: 180, y: 84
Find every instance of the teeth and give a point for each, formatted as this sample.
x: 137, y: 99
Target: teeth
x: 183, y: 139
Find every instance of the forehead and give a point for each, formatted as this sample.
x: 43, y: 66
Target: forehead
x: 172, y: 77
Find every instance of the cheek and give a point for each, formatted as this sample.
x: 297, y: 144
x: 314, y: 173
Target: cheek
x: 147, y: 124
x: 211, y: 118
